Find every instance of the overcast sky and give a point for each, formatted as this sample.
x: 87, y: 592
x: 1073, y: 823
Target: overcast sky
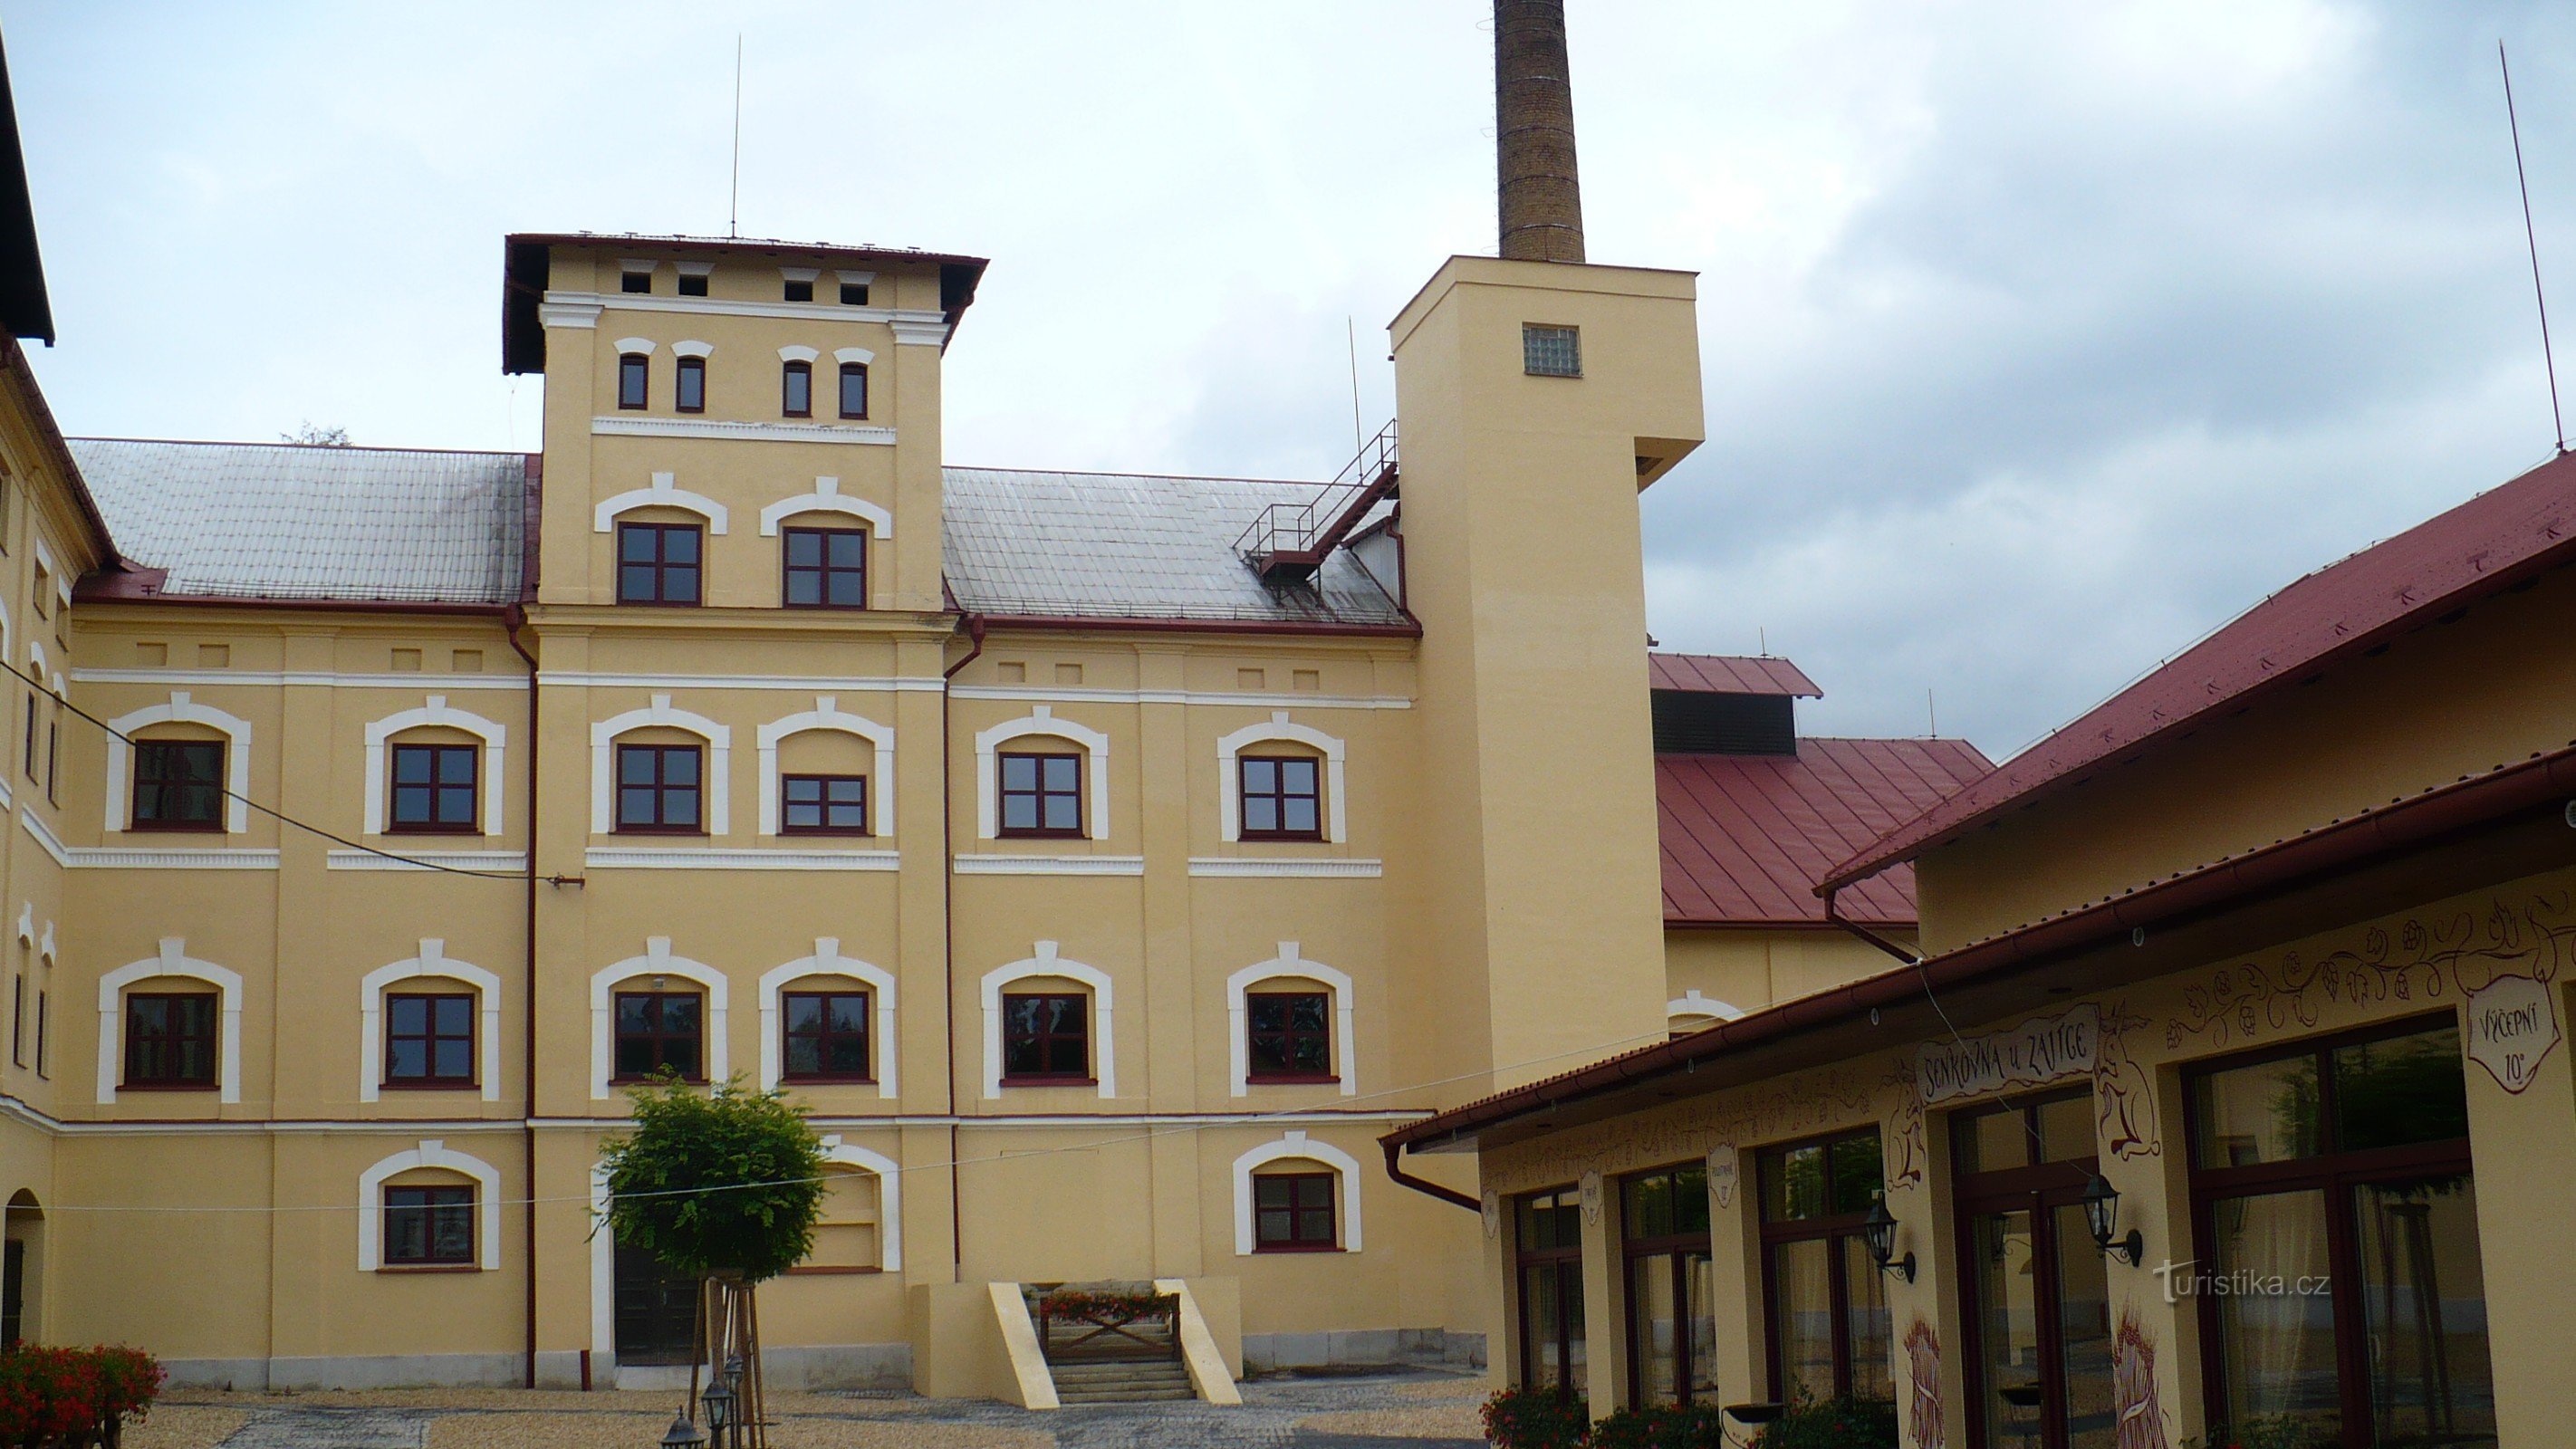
x: 2039, y: 338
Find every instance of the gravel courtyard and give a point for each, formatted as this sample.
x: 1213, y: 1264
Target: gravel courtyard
x: 1394, y: 1411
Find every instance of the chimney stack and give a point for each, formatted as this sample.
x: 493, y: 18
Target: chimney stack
x: 1541, y: 201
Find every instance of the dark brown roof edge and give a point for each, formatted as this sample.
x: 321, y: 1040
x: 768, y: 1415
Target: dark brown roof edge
x: 108, y: 589
x: 1875, y: 857
x: 1410, y: 628
x: 2417, y: 819
x: 13, y: 360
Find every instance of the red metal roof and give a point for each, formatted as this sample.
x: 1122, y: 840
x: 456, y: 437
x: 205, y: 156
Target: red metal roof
x: 1729, y: 674
x: 2484, y: 546
x: 1747, y: 837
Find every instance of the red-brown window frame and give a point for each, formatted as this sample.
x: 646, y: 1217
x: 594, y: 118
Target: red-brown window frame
x: 1003, y: 793
x: 156, y: 780
x: 824, y: 572
x: 661, y: 790
x: 439, y: 753
x: 1279, y: 798
x: 1299, y: 1217
x: 642, y: 368
x: 1053, y: 1077
x: 1832, y: 1228
x: 683, y: 372
x: 431, y: 1080
x: 618, y: 1035
x: 1678, y: 1247
x: 661, y: 566
x: 787, y: 807
x: 859, y: 371
x: 134, y: 1042
x: 1564, y: 1262
x: 429, y: 1200
x: 824, y: 1036
x: 788, y: 373
x: 1287, y: 1036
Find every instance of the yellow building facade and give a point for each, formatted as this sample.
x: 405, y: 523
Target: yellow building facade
x: 1103, y: 879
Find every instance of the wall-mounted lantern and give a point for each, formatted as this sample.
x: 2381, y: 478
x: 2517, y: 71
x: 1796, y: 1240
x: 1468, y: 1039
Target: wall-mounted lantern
x: 2102, y: 1215
x: 1878, y: 1231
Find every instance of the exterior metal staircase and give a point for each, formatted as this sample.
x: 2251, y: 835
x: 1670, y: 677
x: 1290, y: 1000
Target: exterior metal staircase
x: 1288, y: 542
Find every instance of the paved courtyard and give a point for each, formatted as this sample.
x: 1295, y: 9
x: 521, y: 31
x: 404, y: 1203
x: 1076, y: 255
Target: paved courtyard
x: 1392, y: 1411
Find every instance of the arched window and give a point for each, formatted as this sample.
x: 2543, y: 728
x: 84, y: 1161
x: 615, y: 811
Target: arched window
x: 670, y: 781
x: 634, y: 373
x: 174, y: 776
x: 435, y: 769
x: 1296, y: 1195
x: 822, y: 1015
x: 430, y: 1207
x: 1049, y: 1021
x: 826, y: 772
x: 160, y: 1027
x: 1040, y: 776
x: 429, y: 1022
x: 1289, y: 1020
x: 854, y: 390
x: 654, y: 1011
x: 862, y: 1223
x: 1280, y: 781
x: 689, y: 393
x: 796, y: 389
x: 1691, y: 1011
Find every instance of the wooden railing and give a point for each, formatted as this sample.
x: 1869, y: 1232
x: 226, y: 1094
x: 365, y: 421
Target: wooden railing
x: 1096, y: 1326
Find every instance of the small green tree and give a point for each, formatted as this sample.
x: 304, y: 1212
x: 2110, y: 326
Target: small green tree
x: 722, y: 1183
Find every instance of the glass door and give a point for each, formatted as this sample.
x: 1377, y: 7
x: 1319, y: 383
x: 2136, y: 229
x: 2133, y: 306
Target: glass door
x: 1548, y: 1243
x: 2038, y: 1305
x: 1672, y: 1315
x: 2331, y: 1184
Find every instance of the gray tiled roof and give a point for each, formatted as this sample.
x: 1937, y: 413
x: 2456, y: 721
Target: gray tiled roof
x: 276, y: 521
x: 1118, y: 545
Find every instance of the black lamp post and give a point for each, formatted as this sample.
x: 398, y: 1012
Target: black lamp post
x: 2102, y: 1215
x: 718, y: 1402
x: 684, y: 1435
x: 1878, y: 1231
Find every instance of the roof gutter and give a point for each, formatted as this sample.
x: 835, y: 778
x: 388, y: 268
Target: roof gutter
x: 2411, y: 822
x: 1112, y: 623
x: 1865, y: 933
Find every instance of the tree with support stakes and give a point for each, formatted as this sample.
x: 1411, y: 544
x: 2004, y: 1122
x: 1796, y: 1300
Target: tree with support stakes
x: 725, y: 1187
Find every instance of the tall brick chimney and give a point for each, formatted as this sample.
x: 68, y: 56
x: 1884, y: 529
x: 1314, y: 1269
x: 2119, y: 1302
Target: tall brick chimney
x: 1541, y: 201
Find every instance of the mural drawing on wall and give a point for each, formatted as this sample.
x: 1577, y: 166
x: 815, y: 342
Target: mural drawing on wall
x: 1905, y: 1148
x: 2124, y: 1093
x: 1923, y: 1370
x: 2140, y: 1422
x: 2454, y: 957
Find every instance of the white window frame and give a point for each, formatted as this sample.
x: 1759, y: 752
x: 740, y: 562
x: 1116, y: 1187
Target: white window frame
x: 182, y: 709
x: 433, y: 963
x: 657, y: 960
x: 1277, y: 727
x: 827, y: 497
x: 174, y: 960
x: 1296, y: 1146
x: 437, y: 1155
x: 665, y: 492
x: 827, y: 715
x: 490, y: 819
x: 1104, y: 1040
x: 1041, y: 720
x: 827, y: 960
x: 660, y: 713
x: 1238, y: 1013
x: 889, y: 1176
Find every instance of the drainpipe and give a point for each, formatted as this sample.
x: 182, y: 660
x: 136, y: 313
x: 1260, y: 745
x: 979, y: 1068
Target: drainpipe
x: 515, y: 619
x: 1424, y: 1184
x: 948, y: 944
x: 1866, y: 934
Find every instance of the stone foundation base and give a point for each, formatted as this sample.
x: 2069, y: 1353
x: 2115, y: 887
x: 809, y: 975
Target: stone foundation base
x: 1363, y: 1348
x: 828, y: 1366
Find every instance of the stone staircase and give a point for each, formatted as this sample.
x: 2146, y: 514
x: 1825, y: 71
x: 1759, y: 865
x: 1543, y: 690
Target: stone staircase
x: 1131, y: 1381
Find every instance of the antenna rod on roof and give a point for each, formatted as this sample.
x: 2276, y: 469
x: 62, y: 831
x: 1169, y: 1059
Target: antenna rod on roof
x: 2531, y: 239
x: 733, y: 203
x: 1932, y: 714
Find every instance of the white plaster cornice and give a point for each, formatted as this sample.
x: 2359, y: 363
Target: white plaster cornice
x: 864, y: 434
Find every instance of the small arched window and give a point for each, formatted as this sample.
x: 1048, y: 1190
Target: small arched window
x: 691, y: 396
x: 854, y: 389
x: 796, y: 389
x: 634, y: 379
